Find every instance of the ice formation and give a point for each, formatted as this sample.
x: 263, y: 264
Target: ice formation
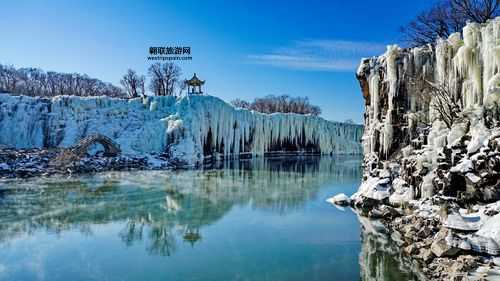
x: 394, y: 84
x: 486, y: 235
x: 402, y: 192
x: 403, y: 116
x: 446, y: 153
x: 187, y: 128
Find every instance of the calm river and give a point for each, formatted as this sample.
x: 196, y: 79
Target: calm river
x: 262, y: 219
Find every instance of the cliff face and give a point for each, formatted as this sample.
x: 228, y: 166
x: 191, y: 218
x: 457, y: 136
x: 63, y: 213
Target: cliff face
x: 432, y: 140
x: 433, y: 106
x: 188, y: 128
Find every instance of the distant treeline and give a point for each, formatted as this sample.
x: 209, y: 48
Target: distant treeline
x: 164, y: 80
x: 36, y: 82
x: 283, y: 103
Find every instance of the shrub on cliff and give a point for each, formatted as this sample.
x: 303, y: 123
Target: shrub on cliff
x: 283, y: 104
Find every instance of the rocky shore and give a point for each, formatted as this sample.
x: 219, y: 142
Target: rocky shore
x: 444, y: 237
x: 440, y: 252
x: 25, y: 163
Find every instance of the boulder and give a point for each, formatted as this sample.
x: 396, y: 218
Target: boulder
x: 440, y: 247
x: 389, y: 212
x: 426, y: 255
x: 339, y: 199
x: 410, y: 249
x: 463, y: 264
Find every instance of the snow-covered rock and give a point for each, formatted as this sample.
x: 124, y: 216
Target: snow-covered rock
x: 403, y: 193
x: 487, y: 238
x: 463, y: 222
x: 187, y: 128
x: 479, y: 134
x: 339, y: 199
x: 373, y: 188
x: 457, y: 131
x: 464, y: 166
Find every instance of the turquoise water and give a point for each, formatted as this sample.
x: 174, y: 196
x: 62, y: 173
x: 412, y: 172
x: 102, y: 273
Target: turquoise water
x: 263, y: 219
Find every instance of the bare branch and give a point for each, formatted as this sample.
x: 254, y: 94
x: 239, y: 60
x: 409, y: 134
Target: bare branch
x: 133, y: 84
x: 443, y: 101
x: 447, y: 17
x: 283, y: 103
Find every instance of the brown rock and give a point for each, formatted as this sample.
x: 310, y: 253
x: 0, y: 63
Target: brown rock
x: 424, y: 232
x: 389, y: 212
x: 440, y: 248
x: 410, y: 249
x: 426, y: 255
x: 460, y: 268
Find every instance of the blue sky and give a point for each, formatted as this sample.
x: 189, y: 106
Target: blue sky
x: 243, y: 49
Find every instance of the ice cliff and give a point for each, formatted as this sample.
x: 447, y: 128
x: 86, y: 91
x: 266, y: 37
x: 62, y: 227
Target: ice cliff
x: 187, y: 128
x: 432, y: 127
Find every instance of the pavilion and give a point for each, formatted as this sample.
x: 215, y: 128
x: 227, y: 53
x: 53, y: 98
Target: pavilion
x: 194, y: 83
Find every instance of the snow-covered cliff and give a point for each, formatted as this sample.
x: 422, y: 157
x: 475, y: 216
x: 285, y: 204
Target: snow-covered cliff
x: 432, y: 132
x: 430, y: 100
x: 188, y: 128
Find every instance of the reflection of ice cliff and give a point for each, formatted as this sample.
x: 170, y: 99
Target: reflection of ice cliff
x: 381, y: 258
x: 163, y: 207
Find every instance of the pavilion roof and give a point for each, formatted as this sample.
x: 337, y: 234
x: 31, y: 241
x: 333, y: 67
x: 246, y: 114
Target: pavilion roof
x: 194, y: 81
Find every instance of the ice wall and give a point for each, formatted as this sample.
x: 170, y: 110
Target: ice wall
x: 432, y: 117
x: 188, y: 128
x: 399, y: 101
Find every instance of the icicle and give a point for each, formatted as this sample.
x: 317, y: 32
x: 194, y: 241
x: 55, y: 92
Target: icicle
x: 374, y: 94
x: 467, y: 63
x: 392, y: 78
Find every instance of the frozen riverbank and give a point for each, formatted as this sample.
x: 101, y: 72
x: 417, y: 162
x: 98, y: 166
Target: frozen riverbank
x: 186, y: 129
x: 432, y: 153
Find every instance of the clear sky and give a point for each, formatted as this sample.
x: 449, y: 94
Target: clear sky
x: 243, y: 49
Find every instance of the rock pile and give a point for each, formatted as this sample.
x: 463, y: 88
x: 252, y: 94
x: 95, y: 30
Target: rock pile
x: 41, y: 162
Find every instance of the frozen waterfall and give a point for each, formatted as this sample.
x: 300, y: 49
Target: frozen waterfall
x: 187, y: 128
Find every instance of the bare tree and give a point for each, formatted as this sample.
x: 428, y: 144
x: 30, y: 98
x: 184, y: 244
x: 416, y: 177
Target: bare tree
x: 171, y: 73
x: 164, y: 78
x: 133, y: 84
x: 283, y: 103
x: 476, y: 10
x: 240, y: 103
x: 156, y: 76
x: 443, y: 101
x: 36, y: 82
x: 447, y: 17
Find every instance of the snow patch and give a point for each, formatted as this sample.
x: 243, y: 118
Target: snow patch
x: 339, y: 199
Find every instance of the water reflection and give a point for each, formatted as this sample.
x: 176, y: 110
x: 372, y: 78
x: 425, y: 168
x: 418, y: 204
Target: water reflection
x: 261, y: 219
x: 381, y: 258
x: 164, y: 208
